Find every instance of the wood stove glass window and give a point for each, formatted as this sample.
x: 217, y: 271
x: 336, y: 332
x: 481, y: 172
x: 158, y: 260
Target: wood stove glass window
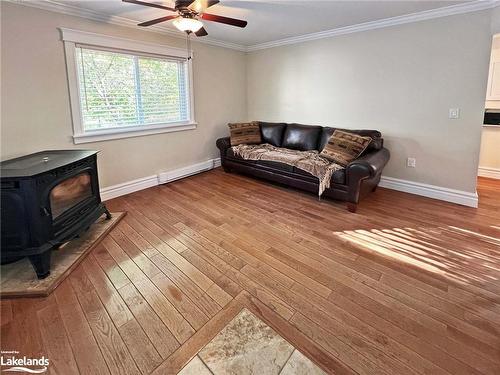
x: 69, y: 193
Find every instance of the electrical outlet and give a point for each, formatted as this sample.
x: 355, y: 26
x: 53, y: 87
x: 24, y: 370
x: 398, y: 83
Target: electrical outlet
x: 411, y: 162
x: 454, y: 113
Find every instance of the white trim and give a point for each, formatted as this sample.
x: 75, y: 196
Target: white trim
x: 431, y: 191
x: 118, y: 190
x: 135, y: 131
x: 72, y: 37
x: 469, y: 7
x: 73, y: 88
x: 93, y: 39
x: 489, y: 172
x: 190, y: 170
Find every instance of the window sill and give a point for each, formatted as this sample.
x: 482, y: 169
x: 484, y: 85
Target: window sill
x: 106, y: 135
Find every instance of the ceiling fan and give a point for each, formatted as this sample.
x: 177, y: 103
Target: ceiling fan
x: 189, y: 13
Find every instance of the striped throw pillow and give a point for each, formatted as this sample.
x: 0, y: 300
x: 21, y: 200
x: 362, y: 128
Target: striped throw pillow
x: 343, y: 147
x: 245, y: 132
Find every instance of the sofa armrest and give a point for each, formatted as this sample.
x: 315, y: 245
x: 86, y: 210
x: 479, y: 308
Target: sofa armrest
x: 369, y: 165
x: 223, y: 144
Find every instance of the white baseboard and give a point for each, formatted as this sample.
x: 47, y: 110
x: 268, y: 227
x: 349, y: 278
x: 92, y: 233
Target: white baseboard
x: 431, y: 191
x: 128, y: 187
x: 190, y: 170
x: 118, y: 190
x: 489, y: 172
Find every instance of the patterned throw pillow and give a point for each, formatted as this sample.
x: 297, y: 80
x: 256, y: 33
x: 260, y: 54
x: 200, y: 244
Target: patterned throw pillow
x: 344, y: 147
x: 245, y: 132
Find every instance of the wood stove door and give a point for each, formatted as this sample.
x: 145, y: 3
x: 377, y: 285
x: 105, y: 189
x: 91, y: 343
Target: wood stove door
x: 69, y: 193
x: 72, y: 198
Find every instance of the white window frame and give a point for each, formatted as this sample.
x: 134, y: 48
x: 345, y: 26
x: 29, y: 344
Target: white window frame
x: 73, y: 37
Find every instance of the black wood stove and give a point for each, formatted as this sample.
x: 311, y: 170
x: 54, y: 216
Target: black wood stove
x: 47, y: 198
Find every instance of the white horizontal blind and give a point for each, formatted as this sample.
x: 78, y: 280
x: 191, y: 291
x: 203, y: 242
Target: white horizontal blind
x: 120, y: 89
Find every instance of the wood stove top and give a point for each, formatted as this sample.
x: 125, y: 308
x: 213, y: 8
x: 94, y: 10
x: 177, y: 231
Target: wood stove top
x: 40, y: 162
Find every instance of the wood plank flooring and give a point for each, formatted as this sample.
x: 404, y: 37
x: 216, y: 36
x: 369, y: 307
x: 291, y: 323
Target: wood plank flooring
x: 408, y: 285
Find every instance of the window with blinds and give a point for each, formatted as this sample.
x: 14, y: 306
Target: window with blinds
x: 123, y: 90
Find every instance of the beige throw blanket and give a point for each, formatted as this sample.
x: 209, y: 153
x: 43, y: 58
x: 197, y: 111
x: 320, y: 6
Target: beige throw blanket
x: 309, y: 161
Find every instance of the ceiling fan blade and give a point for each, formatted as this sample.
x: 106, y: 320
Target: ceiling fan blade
x: 200, y: 5
x: 201, y: 32
x: 222, y: 19
x: 138, y: 2
x: 158, y: 20
x: 181, y: 4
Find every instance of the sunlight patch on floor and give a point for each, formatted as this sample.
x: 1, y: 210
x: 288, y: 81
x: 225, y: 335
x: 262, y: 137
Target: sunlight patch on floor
x: 494, y: 240
x: 439, y: 250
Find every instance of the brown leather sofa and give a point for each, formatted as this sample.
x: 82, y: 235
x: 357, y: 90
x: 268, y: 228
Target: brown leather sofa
x: 350, y: 184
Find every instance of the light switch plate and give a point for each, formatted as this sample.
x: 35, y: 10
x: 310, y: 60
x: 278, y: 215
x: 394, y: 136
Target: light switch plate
x: 454, y: 113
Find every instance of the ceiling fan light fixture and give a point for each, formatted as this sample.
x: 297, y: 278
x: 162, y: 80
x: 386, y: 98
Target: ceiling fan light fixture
x: 188, y: 24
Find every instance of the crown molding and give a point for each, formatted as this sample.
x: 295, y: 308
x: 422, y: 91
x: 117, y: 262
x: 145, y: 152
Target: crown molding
x: 64, y: 8
x: 71, y: 10
x: 472, y: 6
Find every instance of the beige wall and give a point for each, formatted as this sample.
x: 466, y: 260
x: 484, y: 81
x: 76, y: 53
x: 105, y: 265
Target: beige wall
x: 495, y: 20
x: 35, y: 103
x: 401, y: 80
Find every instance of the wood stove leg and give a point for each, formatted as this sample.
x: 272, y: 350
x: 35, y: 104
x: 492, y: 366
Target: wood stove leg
x: 108, y: 214
x: 352, y: 207
x: 41, y: 264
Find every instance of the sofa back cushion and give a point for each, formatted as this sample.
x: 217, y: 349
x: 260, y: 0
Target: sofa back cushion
x: 344, y: 147
x: 245, y: 132
x: 376, y: 144
x: 301, y: 137
x: 272, y: 132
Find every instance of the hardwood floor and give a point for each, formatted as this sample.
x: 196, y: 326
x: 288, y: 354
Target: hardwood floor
x: 407, y: 285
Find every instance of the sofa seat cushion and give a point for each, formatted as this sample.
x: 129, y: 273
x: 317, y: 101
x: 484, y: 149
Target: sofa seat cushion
x: 272, y: 132
x: 275, y: 165
x: 265, y: 163
x: 301, y: 137
x: 338, y: 177
x: 230, y: 154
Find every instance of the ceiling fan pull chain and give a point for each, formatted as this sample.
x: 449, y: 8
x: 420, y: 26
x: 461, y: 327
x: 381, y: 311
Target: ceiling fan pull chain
x: 188, y: 45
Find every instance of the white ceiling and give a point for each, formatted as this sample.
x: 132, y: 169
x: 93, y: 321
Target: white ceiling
x: 270, y: 20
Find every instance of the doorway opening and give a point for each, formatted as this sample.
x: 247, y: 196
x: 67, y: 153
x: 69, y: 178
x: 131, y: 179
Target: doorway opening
x: 489, y: 157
